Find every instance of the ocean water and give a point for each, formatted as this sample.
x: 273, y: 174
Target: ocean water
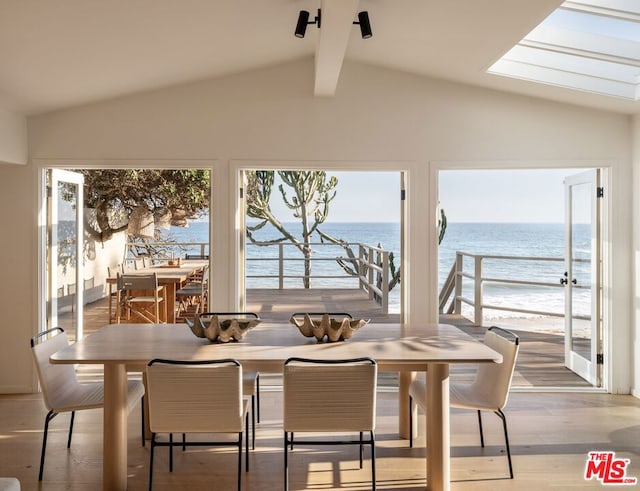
x: 506, y: 239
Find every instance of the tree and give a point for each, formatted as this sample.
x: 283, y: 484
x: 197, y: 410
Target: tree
x: 309, y: 202
x: 114, y: 194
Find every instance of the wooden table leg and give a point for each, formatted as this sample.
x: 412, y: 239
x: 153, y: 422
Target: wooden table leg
x: 170, y: 302
x: 437, y: 424
x: 114, y: 446
x: 403, y: 405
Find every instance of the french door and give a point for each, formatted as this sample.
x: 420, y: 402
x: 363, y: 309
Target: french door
x: 64, y: 230
x: 583, y: 275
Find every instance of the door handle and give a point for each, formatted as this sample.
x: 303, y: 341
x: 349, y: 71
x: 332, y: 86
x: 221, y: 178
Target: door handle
x: 565, y: 280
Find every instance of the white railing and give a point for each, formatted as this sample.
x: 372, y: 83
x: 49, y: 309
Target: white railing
x: 371, y: 267
x: 452, y: 288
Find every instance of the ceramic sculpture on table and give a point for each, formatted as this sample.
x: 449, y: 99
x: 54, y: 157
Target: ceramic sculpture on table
x: 221, y: 328
x: 327, y: 327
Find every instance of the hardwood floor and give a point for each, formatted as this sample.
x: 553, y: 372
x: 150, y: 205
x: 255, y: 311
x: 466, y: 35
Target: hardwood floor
x: 551, y: 435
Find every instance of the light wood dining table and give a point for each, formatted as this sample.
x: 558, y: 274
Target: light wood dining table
x: 171, y: 278
x: 400, y: 348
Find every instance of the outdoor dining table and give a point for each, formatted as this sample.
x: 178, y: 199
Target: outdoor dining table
x: 404, y: 348
x: 170, y: 277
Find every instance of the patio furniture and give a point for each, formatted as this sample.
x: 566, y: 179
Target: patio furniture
x: 139, y: 294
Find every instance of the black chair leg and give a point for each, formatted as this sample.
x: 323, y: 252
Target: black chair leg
x: 171, y: 452
x: 73, y: 417
x: 153, y: 446
x: 240, y: 461
x: 286, y: 462
x: 246, y: 447
x: 258, y: 395
x: 502, y: 416
x: 361, y: 450
x: 373, y: 461
x: 481, y: 432
x: 50, y: 415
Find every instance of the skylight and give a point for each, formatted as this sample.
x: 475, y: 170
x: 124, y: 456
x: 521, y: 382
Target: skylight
x: 590, y: 45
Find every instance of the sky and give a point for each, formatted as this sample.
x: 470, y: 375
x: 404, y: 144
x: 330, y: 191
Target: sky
x: 520, y: 196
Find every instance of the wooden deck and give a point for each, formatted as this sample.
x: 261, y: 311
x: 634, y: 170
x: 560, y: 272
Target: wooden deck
x: 540, y: 363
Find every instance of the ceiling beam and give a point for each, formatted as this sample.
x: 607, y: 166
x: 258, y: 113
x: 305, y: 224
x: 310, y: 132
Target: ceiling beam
x: 337, y: 18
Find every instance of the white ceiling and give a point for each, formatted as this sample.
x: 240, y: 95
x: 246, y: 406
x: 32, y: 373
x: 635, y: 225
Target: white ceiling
x: 60, y: 53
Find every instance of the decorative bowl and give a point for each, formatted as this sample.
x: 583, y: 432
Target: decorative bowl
x: 219, y: 328
x: 327, y: 327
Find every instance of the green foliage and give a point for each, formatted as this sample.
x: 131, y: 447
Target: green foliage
x: 114, y: 193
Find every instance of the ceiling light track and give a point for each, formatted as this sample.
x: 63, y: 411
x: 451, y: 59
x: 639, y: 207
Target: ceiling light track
x: 303, y: 21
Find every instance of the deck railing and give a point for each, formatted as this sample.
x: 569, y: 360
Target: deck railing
x: 452, y: 288
x: 370, y: 270
x: 371, y: 267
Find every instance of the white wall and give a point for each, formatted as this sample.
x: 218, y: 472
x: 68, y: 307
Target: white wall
x: 13, y: 138
x: 396, y: 120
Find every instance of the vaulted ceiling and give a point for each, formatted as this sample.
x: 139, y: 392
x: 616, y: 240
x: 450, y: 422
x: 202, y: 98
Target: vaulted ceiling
x: 56, y: 54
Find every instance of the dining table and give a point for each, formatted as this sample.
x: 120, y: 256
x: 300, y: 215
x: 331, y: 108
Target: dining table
x: 170, y: 277
x: 405, y: 348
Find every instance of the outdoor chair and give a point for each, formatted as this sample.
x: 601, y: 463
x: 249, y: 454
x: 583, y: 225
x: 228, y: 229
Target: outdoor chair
x: 140, y: 295
x: 489, y: 390
x: 329, y: 396
x: 196, y: 397
x: 192, y: 297
x: 61, y: 391
x: 112, y: 272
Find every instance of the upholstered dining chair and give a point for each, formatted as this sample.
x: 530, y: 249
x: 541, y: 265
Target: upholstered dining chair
x: 329, y: 396
x: 203, y: 396
x: 139, y: 294
x: 489, y: 390
x: 61, y: 391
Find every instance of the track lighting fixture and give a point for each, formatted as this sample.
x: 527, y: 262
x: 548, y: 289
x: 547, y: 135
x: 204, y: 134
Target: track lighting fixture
x: 303, y: 21
x: 365, y: 25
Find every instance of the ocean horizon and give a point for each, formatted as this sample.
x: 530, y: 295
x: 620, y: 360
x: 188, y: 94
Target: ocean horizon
x: 490, y: 238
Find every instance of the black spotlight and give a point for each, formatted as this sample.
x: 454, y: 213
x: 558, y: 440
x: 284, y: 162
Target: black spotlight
x: 365, y: 25
x: 301, y: 26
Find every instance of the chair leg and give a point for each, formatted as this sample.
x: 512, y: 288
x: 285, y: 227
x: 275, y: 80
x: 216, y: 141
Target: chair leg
x: 153, y: 446
x: 286, y: 462
x: 73, y: 417
x: 502, y: 416
x: 361, y: 450
x: 373, y: 461
x: 50, y: 415
x: 481, y: 432
x: 170, y: 452
x: 240, y: 461
x: 258, y: 396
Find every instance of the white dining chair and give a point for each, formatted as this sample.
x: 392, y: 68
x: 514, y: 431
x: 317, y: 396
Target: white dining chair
x: 61, y: 391
x: 203, y: 396
x: 329, y: 396
x: 250, y: 379
x: 489, y: 391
